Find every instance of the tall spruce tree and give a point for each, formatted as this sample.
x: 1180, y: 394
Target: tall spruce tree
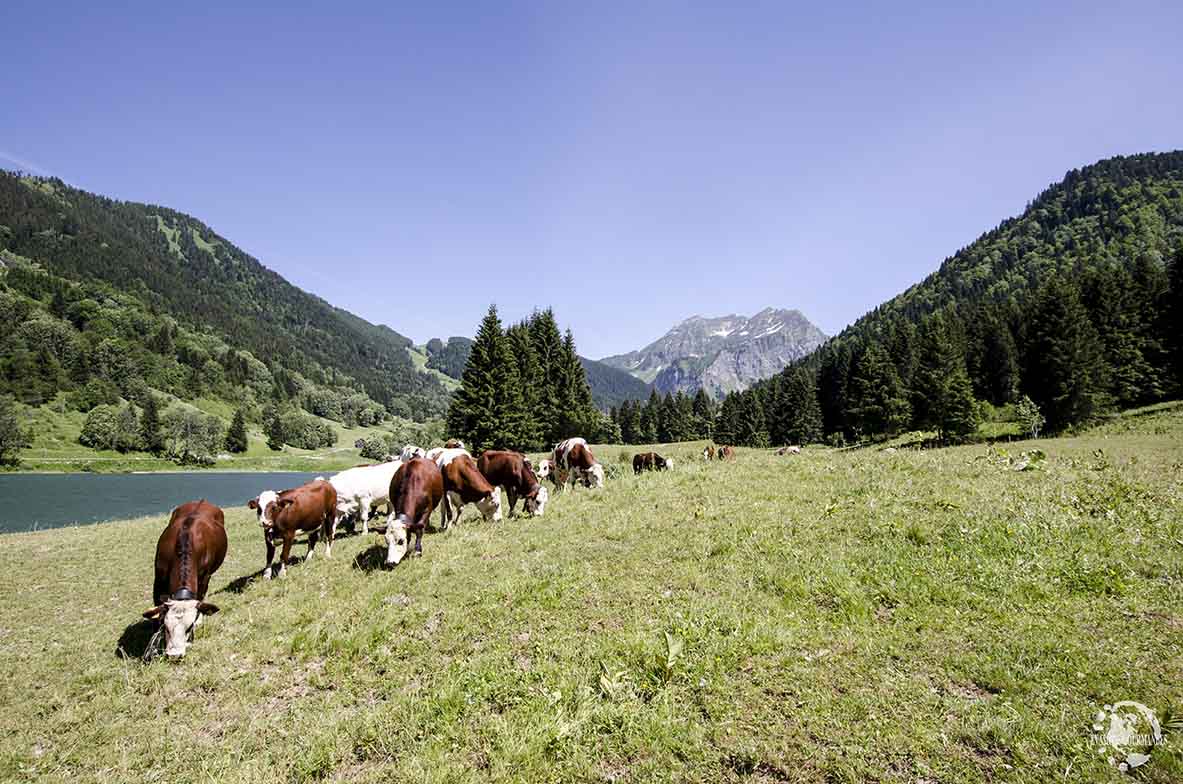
x: 1064, y: 373
x: 802, y: 414
x: 704, y: 415
x: 151, y: 435
x: 487, y: 410
x: 236, y: 440
x: 878, y: 403
x: 1171, y: 333
x: 529, y: 371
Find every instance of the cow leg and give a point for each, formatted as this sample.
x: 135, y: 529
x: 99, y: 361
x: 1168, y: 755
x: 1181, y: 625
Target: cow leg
x: 270, y: 555
x: 313, y: 538
x: 329, y: 528
x: 288, y: 538
x: 364, y: 511
x: 419, y: 534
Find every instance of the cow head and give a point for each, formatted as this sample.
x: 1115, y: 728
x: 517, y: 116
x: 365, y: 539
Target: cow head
x: 536, y: 501
x: 664, y: 463
x: 264, y: 507
x: 396, y: 540
x: 490, y: 505
x: 179, y: 615
x: 545, y: 469
x: 594, y: 476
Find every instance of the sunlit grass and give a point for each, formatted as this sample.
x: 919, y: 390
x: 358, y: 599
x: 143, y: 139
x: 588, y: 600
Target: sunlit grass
x: 833, y: 616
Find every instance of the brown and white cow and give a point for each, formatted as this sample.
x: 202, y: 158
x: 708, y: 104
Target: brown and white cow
x: 311, y: 507
x: 726, y: 453
x: 650, y: 461
x: 415, y: 492
x: 574, y: 461
x: 454, y: 443
x: 512, y: 471
x: 464, y: 484
x: 789, y: 450
x: 708, y: 452
x: 189, y: 551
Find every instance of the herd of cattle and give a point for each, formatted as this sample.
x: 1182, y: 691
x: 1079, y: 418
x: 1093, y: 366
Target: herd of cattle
x: 411, y: 486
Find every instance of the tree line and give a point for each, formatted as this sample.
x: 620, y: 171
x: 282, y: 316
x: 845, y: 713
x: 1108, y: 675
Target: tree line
x: 524, y: 388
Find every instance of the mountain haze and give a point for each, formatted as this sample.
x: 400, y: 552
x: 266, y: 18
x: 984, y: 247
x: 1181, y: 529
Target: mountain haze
x: 724, y: 354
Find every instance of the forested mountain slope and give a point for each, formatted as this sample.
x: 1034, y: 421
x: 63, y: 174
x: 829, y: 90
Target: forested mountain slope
x: 1074, y: 304
x: 178, y: 266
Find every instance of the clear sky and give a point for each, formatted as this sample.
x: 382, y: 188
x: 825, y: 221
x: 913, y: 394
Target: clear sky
x: 631, y: 164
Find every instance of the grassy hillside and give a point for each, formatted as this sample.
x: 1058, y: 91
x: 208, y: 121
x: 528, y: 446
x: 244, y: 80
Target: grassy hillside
x: 178, y: 266
x: 840, y: 616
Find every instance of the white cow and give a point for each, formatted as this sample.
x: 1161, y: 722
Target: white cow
x: 358, y: 489
x: 410, y: 452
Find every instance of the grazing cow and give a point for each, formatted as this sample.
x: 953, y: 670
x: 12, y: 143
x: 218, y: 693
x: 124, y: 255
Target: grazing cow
x: 650, y: 461
x: 574, y: 461
x: 708, y: 452
x: 512, y: 471
x: 410, y: 452
x: 464, y: 484
x: 454, y: 443
x: 789, y: 450
x: 415, y: 492
x: 360, y: 488
x: 726, y: 453
x: 311, y: 507
x: 189, y: 551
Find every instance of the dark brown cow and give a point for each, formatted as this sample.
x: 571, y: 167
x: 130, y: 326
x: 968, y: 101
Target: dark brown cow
x: 311, y: 507
x: 415, y: 492
x: 189, y: 551
x: 650, y: 461
x: 512, y: 471
x: 726, y: 453
x: 464, y: 484
x: 574, y: 461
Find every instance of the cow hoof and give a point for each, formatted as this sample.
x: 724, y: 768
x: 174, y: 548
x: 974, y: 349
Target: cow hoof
x: 267, y: 573
x: 417, y: 554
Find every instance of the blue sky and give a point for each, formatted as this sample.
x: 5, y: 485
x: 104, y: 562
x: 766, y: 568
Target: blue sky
x: 630, y: 164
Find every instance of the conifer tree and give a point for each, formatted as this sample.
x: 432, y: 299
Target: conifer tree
x: 151, y: 436
x: 1064, y: 375
x: 727, y: 425
x: 802, y: 414
x: 487, y: 410
x: 704, y: 415
x: 1171, y: 332
x: 878, y: 405
x: 236, y: 439
x: 273, y: 427
x: 529, y: 371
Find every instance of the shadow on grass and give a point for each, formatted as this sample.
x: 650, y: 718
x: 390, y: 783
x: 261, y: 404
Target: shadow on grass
x: 371, y: 559
x: 134, y: 641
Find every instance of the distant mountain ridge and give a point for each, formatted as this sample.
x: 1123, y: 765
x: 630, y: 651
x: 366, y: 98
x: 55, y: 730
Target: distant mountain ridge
x: 722, y: 354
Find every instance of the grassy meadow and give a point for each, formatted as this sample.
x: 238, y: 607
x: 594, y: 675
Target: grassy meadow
x: 838, y: 616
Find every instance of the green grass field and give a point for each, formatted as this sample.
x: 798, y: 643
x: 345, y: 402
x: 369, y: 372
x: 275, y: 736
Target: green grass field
x: 839, y: 616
